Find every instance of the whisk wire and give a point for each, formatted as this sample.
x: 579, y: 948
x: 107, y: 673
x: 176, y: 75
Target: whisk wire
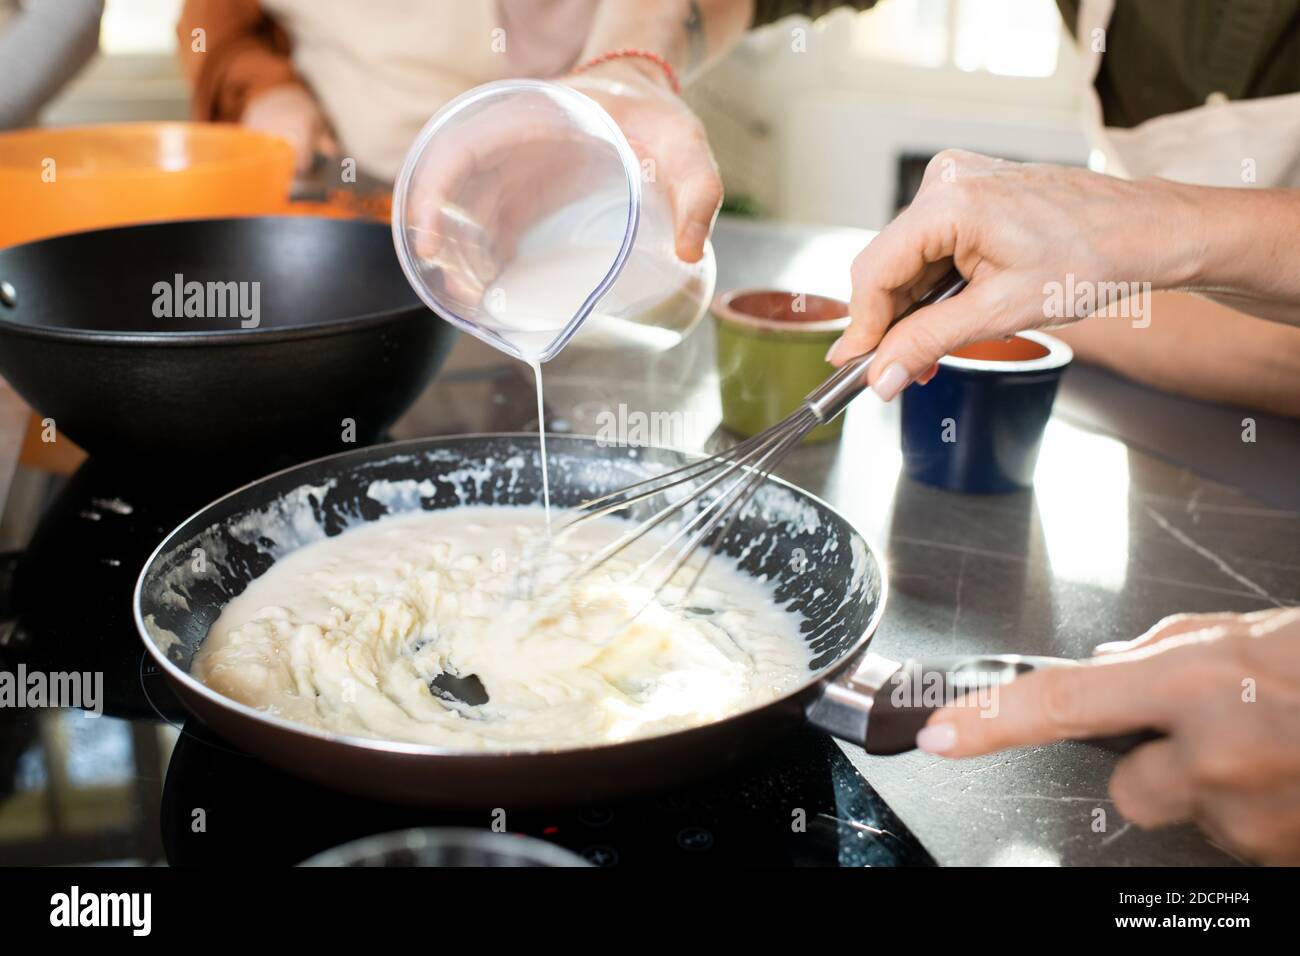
x: 731, y: 503
x: 754, y: 458
x: 798, y: 431
x: 657, y: 484
x: 722, y: 463
x: 714, y: 510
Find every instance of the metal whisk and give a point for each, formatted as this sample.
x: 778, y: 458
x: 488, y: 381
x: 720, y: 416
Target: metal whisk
x: 741, y: 468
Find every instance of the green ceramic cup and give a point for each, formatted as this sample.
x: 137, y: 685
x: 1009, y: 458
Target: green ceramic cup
x: 771, y: 353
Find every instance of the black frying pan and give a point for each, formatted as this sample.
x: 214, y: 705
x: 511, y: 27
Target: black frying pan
x: 340, y: 337
x: 819, y: 564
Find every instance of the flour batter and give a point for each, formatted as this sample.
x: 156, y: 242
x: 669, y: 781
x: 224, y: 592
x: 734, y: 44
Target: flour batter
x: 347, y: 634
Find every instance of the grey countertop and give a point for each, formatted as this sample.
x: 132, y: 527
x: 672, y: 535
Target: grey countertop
x: 1111, y: 539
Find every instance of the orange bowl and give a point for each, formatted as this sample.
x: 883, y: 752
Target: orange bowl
x: 71, y: 179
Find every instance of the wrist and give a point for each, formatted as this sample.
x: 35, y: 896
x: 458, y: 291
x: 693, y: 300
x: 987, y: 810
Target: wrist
x: 631, y: 65
x: 1184, y: 243
x: 273, y: 92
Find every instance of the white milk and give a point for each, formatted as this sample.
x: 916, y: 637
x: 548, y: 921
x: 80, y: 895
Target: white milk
x: 541, y: 290
x: 541, y: 440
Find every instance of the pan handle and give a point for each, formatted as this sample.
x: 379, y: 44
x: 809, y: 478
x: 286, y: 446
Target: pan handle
x: 882, y: 704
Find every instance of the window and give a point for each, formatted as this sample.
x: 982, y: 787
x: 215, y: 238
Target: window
x: 904, y: 31
x: 138, y: 27
x: 1007, y: 37
x: 1014, y: 53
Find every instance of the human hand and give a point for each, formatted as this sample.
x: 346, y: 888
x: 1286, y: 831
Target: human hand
x: 660, y: 127
x: 1011, y: 229
x: 292, y: 113
x: 1223, y: 688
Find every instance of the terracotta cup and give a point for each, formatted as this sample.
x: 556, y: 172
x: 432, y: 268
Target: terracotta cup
x: 772, y: 348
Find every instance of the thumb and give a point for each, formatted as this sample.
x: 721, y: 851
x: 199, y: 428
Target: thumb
x: 914, y: 345
x: 889, y: 274
x: 695, y: 200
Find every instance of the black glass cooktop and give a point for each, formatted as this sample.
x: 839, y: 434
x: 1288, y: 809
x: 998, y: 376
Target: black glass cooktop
x: 144, y: 783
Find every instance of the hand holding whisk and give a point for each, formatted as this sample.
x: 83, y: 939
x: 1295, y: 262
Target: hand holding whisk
x: 721, y: 485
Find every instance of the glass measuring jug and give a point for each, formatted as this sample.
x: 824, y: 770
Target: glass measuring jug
x: 522, y: 216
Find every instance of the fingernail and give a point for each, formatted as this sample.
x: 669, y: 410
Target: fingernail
x: 1110, y: 647
x: 890, y: 383
x: 830, y: 352
x: 937, y: 738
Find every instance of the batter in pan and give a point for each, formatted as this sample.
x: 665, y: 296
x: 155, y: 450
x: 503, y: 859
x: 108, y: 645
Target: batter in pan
x: 351, y: 635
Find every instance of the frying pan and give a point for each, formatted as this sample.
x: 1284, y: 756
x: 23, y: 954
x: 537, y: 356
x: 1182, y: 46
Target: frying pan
x: 822, y: 570
x: 339, y: 337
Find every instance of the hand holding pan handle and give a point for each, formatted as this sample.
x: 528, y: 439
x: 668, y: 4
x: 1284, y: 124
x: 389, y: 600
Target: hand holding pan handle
x: 882, y: 704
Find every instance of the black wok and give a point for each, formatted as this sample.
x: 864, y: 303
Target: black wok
x: 822, y: 568
x: 339, y: 337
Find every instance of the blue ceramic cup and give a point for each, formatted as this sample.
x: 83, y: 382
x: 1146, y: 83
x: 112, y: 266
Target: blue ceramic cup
x: 977, y: 426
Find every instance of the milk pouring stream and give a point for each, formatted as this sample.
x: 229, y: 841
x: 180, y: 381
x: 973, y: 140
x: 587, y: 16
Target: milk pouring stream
x: 523, y: 217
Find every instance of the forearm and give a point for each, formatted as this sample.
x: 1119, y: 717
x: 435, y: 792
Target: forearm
x: 689, y: 34
x: 40, y: 50
x: 1241, y: 247
x: 1200, y: 349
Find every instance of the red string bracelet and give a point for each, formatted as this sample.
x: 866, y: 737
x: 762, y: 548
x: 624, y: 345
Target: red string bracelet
x: 627, y: 52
